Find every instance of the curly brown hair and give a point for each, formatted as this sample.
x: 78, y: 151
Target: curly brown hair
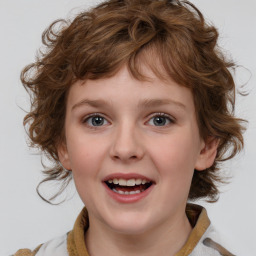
x: 98, y: 42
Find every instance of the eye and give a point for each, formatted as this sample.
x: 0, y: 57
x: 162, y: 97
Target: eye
x: 95, y: 120
x: 160, y: 120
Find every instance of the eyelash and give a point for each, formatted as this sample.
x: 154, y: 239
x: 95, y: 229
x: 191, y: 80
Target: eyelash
x: 85, y: 120
x: 166, y: 116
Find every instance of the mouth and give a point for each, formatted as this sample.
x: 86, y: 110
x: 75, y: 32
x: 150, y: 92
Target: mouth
x: 130, y: 186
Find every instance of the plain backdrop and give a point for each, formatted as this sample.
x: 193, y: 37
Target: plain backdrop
x: 25, y: 220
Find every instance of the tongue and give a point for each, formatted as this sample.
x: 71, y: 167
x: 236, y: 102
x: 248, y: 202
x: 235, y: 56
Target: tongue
x: 133, y: 188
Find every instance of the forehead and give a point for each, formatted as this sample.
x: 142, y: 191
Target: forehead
x: 123, y: 88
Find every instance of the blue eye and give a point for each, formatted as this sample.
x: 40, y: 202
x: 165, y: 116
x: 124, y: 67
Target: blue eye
x: 160, y: 120
x: 95, y: 120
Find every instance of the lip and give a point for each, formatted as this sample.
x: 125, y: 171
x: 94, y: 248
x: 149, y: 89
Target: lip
x: 127, y: 199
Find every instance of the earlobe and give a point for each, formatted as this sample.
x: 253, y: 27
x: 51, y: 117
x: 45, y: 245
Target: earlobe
x: 63, y: 156
x: 207, y: 154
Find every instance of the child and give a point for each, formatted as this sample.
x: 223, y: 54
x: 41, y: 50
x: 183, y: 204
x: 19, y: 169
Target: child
x: 134, y: 100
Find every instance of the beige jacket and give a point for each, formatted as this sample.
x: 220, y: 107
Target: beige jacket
x: 203, y: 240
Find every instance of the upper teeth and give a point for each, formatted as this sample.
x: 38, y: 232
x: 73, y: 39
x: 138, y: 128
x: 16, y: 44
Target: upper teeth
x: 130, y: 182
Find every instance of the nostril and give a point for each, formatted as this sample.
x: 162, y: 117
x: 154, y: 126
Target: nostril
x: 122, y: 157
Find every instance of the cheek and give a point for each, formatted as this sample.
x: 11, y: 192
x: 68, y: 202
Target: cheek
x: 174, y: 160
x: 85, y: 162
x: 176, y: 154
x: 85, y: 157
x: 175, y: 165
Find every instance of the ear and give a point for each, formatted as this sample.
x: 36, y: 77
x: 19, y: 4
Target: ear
x: 64, y: 156
x: 207, y: 154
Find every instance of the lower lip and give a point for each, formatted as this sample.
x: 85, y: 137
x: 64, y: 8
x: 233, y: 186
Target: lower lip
x: 128, y: 199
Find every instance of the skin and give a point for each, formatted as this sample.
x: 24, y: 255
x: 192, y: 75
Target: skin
x: 129, y: 141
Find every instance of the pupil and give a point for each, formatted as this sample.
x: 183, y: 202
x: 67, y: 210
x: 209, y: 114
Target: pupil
x: 97, y: 121
x: 158, y: 121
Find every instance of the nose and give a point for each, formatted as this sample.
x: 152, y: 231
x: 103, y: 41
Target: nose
x: 127, y: 144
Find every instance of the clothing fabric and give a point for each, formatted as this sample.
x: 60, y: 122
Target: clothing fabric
x: 202, y: 241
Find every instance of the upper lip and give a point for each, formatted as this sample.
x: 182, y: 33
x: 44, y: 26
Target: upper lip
x: 126, y: 176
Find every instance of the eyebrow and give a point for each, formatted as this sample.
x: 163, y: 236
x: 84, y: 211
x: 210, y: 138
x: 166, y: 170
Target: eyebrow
x: 146, y: 103
x: 93, y: 103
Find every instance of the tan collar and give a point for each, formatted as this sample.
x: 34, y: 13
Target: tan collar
x: 75, y: 241
x: 199, y: 220
x: 196, y: 214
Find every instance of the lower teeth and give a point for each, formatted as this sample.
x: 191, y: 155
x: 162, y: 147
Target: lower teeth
x: 127, y: 192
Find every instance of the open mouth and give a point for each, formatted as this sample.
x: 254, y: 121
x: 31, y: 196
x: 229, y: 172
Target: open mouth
x: 128, y: 187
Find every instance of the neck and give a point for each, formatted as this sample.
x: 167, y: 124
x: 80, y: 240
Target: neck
x: 165, y: 240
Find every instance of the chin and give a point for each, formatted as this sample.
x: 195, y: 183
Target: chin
x: 128, y: 225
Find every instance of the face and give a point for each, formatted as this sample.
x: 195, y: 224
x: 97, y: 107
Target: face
x: 132, y: 147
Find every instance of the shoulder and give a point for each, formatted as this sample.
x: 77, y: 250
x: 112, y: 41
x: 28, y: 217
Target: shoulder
x: 212, y: 244
x: 204, y: 239
x: 56, y: 247
x: 71, y: 243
